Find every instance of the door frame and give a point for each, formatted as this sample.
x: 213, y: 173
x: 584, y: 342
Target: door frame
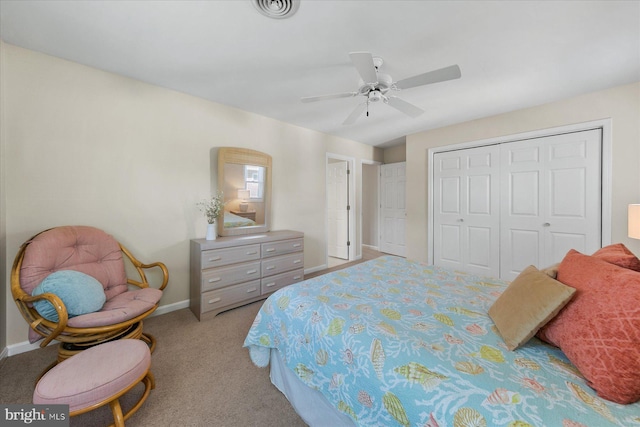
x: 604, y: 125
x: 351, y: 216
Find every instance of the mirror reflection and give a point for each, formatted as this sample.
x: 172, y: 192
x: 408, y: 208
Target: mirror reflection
x: 244, y: 195
x: 244, y: 176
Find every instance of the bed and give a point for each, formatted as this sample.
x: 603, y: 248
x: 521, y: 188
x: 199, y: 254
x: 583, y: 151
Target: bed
x: 395, y: 342
x: 232, y: 220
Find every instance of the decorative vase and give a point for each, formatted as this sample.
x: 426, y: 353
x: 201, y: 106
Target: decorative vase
x: 211, y: 232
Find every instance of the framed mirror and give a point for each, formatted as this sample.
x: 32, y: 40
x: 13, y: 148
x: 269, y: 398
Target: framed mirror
x: 244, y: 176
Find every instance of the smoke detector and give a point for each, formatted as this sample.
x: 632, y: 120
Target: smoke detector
x: 277, y: 9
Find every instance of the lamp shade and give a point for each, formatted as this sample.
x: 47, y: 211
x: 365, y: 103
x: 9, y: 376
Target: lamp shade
x: 244, y: 194
x: 634, y: 221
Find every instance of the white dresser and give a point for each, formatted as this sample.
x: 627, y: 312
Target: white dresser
x: 232, y: 271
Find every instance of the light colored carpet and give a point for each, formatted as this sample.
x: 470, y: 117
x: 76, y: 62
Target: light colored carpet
x: 204, y: 377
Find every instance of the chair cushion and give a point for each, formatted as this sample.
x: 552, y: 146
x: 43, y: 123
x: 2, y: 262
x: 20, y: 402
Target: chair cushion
x: 79, y: 248
x: 79, y: 292
x: 119, y: 308
x: 94, y: 375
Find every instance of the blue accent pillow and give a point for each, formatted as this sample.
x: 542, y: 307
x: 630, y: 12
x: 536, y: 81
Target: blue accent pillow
x: 79, y: 292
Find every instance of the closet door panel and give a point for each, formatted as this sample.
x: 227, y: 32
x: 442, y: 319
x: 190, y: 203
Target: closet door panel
x: 478, y: 240
x: 573, y: 205
x: 560, y: 243
x: 466, y: 210
x: 450, y: 248
x: 448, y: 195
x: 550, y: 190
x: 524, y: 250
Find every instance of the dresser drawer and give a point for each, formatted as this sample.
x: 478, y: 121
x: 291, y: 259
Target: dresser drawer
x: 213, y: 300
x: 273, y: 283
x: 282, y: 247
x: 220, y: 257
x: 282, y: 263
x: 220, y: 277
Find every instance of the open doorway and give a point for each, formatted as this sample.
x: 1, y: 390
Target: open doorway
x: 340, y: 220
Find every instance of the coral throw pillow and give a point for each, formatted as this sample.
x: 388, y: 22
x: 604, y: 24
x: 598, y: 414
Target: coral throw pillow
x: 599, y: 330
x: 619, y: 255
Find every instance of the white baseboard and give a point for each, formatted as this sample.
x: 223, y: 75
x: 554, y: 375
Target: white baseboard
x: 4, y: 354
x: 164, y: 309
x: 314, y: 269
x: 24, y: 346
x: 375, y: 248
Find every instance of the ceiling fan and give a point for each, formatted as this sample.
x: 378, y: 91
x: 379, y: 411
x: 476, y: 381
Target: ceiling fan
x: 375, y: 86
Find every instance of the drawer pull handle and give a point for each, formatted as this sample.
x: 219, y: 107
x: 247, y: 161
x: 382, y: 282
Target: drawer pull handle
x: 252, y: 271
x: 215, y: 258
x: 297, y: 277
x: 251, y: 290
x: 271, y: 267
x: 214, y: 279
x: 211, y: 301
x: 252, y: 253
x: 271, y: 250
x: 296, y: 245
x: 268, y: 285
x: 297, y: 261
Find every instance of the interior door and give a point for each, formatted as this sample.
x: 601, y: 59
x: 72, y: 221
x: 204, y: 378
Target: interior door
x: 551, y: 199
x: 337, y: 209
x: 393, y: 210
x: 466, y: 210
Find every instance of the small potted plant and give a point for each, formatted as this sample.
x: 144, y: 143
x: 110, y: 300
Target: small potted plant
x: 212, y: 209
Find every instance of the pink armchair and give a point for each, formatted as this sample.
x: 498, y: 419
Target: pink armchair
x: 95, y: 253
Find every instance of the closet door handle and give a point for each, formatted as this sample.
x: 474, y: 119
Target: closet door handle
x: 546, y: 224
x: 460, y: 220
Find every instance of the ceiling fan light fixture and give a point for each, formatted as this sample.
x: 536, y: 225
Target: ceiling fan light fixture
x: 375, y: 96
x: 277, y: 9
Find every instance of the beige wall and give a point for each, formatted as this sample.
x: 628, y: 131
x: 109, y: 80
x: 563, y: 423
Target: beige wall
x: 621, y: 104
x: 83, y: 146
x: 3, y: 188
x: 395, y: 154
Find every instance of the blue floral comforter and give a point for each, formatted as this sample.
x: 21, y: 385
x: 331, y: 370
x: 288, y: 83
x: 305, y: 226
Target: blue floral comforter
x: 395, y: 342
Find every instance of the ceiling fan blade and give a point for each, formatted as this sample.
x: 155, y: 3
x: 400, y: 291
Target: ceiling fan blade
x: 435, y: 76
x: 331, y: 96
x: 404, y: 106
x: 355, y: 114
x: 363, y: 61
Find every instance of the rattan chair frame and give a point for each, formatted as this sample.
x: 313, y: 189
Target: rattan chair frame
x: 81, y: 337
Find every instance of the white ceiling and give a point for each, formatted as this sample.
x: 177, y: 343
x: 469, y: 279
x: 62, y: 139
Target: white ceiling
x: 512, y: 54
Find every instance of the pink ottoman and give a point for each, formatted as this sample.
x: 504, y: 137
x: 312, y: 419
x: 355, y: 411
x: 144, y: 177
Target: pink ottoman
x: 97, y: 376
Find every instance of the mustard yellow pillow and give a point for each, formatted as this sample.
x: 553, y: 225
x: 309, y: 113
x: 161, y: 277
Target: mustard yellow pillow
x: 528, y: 303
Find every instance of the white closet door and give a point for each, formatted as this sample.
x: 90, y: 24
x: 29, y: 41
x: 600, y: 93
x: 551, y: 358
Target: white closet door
x: 466, y: 210
x: 551, y: 199
x: 394, y: 213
